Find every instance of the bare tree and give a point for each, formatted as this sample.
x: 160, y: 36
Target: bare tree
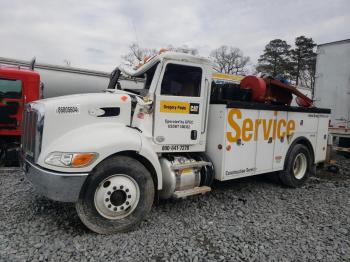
x: 136, y: 54
x: 229, y: 60
x: 307, y: 75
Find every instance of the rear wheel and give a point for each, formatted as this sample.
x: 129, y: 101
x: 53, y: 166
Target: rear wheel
x: 116, y: 196
x: 298, y: 167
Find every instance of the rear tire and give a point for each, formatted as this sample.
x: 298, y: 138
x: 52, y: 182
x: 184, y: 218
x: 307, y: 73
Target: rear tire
x: 116, y: 196
x: 298, y: 167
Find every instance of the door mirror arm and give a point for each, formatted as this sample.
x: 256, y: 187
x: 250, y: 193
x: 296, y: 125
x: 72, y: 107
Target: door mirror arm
x: 146, y: 103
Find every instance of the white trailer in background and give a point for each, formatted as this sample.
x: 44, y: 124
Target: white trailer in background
x: 67, y: 80
x: 332, y: 88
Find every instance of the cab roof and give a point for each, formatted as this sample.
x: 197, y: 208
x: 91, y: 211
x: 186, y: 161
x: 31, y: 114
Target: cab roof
x: 17, y: 70
x: 175, y: 56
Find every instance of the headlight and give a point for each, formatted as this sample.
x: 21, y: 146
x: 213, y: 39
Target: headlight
x: 62, y: 159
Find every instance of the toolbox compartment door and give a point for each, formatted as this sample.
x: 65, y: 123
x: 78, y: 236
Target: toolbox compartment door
x: 265, y: 141
x: 322, y: 136
x: 281, y: 143
x: 239, y: 157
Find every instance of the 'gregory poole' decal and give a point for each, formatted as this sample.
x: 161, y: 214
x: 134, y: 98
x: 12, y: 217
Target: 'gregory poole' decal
x: 179, y: 107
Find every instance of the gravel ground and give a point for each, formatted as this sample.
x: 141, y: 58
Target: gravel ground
x: 251, y: 219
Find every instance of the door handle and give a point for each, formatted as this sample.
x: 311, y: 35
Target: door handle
x: 193, y: 134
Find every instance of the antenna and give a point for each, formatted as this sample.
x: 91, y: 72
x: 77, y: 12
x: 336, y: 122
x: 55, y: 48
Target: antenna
x: 136, y: 37
x: 67, y: 62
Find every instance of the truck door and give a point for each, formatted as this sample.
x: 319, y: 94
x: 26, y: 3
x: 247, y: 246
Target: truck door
x: 179, y: 104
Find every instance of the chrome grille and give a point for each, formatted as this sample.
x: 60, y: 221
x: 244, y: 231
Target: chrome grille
x: 32, y: 131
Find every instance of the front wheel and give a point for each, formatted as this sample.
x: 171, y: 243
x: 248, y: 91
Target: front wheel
x: 298, y: 167
x: 116, y: 196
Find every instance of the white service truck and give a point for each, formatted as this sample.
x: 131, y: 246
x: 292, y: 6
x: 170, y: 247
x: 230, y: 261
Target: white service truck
x: 114, y: 153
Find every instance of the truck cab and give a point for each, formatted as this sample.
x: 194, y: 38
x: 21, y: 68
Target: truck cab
x: 113, y: 153
x: 178, y: 91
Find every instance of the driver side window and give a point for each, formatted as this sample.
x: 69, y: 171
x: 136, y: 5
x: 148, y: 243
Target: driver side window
x: 180, y: 80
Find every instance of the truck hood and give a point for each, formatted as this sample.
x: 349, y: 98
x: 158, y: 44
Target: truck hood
x: 67, y: 113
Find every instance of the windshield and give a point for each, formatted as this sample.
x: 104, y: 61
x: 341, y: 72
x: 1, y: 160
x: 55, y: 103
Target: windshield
x: 148, y: 78
x: 10, y: 88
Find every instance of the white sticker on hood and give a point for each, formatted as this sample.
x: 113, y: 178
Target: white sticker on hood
x: 68, y: 109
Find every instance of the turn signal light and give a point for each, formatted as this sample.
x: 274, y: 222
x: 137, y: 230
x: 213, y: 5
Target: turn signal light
x: 82, y: 159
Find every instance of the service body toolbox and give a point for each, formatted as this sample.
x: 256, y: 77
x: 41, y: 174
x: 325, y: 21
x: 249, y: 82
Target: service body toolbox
x: 259, y: 135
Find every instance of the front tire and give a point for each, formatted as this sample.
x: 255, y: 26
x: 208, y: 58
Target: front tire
x: 116, y: 196
x: 298, y: 167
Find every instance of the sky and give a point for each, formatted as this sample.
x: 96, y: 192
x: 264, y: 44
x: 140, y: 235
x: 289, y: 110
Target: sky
x: 95, y: 34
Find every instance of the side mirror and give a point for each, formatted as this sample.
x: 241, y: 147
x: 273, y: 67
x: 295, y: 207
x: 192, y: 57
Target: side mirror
x: 42, y: 86
x: 113, y: 79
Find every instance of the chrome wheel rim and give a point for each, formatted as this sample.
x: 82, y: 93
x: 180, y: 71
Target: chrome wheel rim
x: 300, y: 166
x: 117, y: 196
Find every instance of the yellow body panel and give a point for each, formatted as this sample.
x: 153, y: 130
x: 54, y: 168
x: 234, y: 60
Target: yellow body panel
x: 227, y: 77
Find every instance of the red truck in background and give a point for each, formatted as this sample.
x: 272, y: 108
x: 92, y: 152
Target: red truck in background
x: 18, y: 86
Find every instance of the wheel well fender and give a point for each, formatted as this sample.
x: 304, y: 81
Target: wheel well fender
x: 301, y: 141
x: 148, y: 152
x: 147, y: 163
x: 146, y: 156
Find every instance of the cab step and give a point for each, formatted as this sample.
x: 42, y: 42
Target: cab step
x: 190, y: 192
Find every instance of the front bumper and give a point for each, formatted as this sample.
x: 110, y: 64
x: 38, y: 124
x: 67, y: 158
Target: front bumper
x: 64, y: 187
